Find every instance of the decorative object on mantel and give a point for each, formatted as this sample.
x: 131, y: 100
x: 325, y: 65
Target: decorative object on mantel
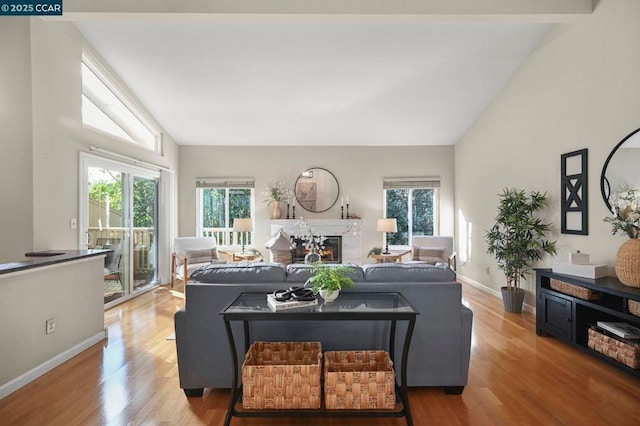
x: 517, y: 239
x: 575, y: 192
x: 312, y: 240
x: 276, y: 194
x: 387, y: 225
x: 342, y: 215
x: 626, y: 218
x: 279, y: 247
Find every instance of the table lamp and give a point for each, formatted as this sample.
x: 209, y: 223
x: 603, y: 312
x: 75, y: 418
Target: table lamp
x: 242, y: 224
x: 388, y: 225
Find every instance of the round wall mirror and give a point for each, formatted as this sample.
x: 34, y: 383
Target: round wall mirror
x: 317, y: 190
x: 621, y: 167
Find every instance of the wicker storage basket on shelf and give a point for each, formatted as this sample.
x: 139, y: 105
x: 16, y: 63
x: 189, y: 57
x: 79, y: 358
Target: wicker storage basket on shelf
x: 282, y: 375
x: 625, y: 352
x: 574, y: 290
x: 359, y: 380
x: 634, y: 307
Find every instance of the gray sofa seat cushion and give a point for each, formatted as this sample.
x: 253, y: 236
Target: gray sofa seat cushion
x: 300, y: 273
x: 402, y: 272
x: 249, y: 272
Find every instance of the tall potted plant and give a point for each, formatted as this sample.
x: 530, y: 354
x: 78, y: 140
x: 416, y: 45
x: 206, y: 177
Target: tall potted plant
x: 517, y: 239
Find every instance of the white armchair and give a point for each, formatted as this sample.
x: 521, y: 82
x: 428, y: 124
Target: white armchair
x: 429, y: 248
x: 182, y: 261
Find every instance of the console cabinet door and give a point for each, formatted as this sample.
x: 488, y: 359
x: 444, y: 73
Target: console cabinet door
x: 556, y: 316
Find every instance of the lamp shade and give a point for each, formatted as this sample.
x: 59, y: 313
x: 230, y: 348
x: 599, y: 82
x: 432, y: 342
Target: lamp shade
x: 243, y: 224
x: 388, y: 225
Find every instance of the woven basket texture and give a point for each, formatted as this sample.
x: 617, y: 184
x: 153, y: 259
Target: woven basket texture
x: 282, y: 375
x: 574, y: 290
x: 625, y: 352
x: 634, y: 307
x: 359, y: 380
x: 628, y: 263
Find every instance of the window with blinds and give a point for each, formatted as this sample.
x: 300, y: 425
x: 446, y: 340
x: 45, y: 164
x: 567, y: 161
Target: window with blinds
x: 218, y: 202
x: 414, y: 202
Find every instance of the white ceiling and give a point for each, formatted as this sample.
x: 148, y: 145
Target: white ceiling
x: 256, y: 81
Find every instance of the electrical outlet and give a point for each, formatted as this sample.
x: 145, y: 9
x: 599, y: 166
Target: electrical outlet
x: 74, y: 223
x: 50, y: 325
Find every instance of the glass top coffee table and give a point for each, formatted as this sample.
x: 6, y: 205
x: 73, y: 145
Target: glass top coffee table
x: 349, y: 306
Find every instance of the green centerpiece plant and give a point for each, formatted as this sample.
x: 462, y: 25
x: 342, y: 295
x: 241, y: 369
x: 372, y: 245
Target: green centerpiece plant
x: 328, y: 280
x: 517, y: 239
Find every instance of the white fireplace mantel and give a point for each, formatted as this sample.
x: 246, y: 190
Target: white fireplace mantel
x: 349, y: 229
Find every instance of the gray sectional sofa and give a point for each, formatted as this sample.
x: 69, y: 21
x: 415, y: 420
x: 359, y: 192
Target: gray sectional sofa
x: 440, y: 348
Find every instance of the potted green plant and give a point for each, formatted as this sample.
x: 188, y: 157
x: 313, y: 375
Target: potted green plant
x: 328, y: 280
x: 375, y: 250
x: 517, y: 239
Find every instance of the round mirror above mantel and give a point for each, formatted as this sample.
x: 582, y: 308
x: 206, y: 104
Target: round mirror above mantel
x: 316, y: 190
x: 621, y: 167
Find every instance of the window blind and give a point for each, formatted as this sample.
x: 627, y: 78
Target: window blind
x: 410, y: 183
x: 225, y: 182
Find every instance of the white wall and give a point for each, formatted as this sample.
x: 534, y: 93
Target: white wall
x: 16, y: 207
x: 72, y: 294
x: 579, y: 89
x: 42, y: 135
x: 359, y: 172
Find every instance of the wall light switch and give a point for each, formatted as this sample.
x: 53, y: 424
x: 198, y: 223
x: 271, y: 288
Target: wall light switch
x: 74, y: 223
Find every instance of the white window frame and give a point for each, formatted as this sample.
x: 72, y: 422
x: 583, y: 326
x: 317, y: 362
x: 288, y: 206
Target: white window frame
x: 241, y: 183
x: 127, y: 102
x: 411, y: 184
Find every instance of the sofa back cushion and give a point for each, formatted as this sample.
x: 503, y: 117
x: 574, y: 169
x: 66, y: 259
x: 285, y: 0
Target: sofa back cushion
x: 407, y: 272
x: 300, y: 272
x: 232, y: 273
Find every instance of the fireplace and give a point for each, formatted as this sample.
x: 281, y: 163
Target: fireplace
x: 331, y: 253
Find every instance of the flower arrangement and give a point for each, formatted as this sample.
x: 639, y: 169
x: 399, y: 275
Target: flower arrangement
x: 313, y: 240
x: 626, y: 206
x: 277, y: 193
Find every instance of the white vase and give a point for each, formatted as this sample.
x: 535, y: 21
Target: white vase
x: 329, y: 295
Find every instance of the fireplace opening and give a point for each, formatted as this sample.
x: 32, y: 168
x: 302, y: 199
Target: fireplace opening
x: 331, y: 253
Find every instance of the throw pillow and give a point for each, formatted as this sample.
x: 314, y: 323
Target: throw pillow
x: 201, y: 255
x: 430, y: 254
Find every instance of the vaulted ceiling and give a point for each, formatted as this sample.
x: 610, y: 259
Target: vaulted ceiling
x: 309, y: 79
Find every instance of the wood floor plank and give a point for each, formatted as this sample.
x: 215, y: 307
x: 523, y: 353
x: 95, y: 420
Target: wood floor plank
x: 515, y: 377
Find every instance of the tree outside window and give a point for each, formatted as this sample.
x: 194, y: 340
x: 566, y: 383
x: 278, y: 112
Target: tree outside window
x: 414, y: 210
x: 219, y: 207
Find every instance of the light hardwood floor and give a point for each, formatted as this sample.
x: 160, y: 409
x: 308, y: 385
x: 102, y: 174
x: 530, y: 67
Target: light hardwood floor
x: 516, y: 378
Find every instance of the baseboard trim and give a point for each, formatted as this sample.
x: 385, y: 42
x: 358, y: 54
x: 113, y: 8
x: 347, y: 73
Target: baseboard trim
x: 491, y: 291
x: 50, y: 364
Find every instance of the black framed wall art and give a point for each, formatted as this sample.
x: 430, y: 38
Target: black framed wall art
x: 575, y: 193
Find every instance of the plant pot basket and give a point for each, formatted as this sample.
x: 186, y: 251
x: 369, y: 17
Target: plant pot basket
x: 574, y: 290
x: 359, y: 380
x: 622, y: 351
x: 282, y: 375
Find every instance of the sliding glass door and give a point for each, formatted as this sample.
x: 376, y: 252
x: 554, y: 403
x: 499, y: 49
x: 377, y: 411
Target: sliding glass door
x: 121, y: 214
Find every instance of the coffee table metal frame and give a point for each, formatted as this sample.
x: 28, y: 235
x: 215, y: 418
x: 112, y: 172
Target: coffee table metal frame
x: 263, y: 313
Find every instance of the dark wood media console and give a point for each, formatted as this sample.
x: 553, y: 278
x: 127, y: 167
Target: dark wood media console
x: 569, y: 318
